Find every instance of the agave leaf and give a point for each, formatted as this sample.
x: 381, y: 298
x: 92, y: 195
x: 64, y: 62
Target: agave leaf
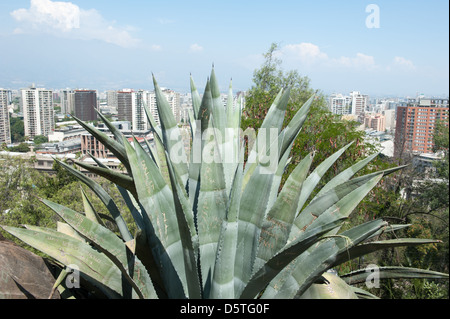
x: 261, y: 278
x: 114, y: 130
x: 360, y: 276
x: 277, y: 224
x: 370, y: 247
x: 70, y: 251
x: 314, y: 178
x: 290, y: 132
x: 218, y: 109
x: 188, y: 236
x: 105, y: 198
x: 331, y: 287
x: 159, y: 218
x: 89, y: 209
x: 129, y: 200
x: 346, y: 174
x: 339, y: 201
x: 296, y: 278
x: 171, y: 135
x: 251, y: 213
x: 115, y: 147
x: 282, y: 164
x: 117, y: 178
x: 111, y: 245
x: 253, y: 152
x: 211, y: 210
x: 223, y: 277
x: 68, y: 230
x: 276, y: 113
x: 196, y: 101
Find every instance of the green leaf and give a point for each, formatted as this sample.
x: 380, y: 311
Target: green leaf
x: 314, y: 178
x: 274, y: 265
x: 293, y: 128
x: 196, y: 101
x: 370, y: 247
x: 360, y: 276
x: 159, y: 217
x: 111, y: 245
x: 223, y: 277
x: 171, y: 135
x: 299, y: 276
x: 105, y: 198
x: 115, y: 147
x: 211, y: 209
x: 117, y: 178
x: 337, y: 202
x: 277, y: 224
x: 188, y: 236
x: 69, y: 251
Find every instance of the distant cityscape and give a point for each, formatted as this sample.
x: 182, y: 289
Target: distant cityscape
x: 398, y: 124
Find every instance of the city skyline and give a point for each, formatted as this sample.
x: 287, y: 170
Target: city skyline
x: 397, y: 49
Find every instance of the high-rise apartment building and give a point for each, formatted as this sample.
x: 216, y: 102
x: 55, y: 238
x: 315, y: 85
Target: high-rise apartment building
x: 111, y: 99
x: 416, y: 120
x: 5, y: 128
x: 38, y: 112
x: 359, y: 103
x: 340, y: 104
x: 67, y: 101
x: 85, y: 105
x: 130, y: 107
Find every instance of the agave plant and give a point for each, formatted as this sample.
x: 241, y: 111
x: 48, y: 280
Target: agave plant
x: 210, y: 225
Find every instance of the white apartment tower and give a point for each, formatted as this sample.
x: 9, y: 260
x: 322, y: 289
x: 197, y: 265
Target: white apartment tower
x: 67, y: 101
x: 5, y: 129
x: 340, y: 104
x: 38, y: 112
x: 359, y: 102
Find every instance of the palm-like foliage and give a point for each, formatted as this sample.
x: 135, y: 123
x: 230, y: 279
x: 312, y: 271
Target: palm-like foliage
x: 211, y: 226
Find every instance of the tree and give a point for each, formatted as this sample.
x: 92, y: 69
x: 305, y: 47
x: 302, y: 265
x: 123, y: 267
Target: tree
x: 21, y: 148
x: 324, y: 132
x: 40, y: 139
x: 17, y: 130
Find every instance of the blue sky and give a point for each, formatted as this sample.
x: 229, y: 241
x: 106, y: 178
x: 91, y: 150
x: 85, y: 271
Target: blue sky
x: 111, y: 44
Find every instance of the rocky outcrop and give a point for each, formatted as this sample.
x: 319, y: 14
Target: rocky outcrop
x: 23, y: 275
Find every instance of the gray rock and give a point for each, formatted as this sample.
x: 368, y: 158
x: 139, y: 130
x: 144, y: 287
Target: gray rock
x: 23, y: 274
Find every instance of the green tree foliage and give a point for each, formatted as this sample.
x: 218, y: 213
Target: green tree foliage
x: 323, y: 132
x: 21, y: 148
x: 40, y: 139
x: 17, y: 130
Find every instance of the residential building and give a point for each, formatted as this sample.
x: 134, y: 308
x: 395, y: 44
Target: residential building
x: 375, y: 121
x: 415, y: 124
x: 359, y: 103
x: 5, y: 128
x: 85, y: 105
x: 130, y: 107
x: 340, y: 104
x: 67, y: 101
x: 111, y: 99
x: 38, y: 112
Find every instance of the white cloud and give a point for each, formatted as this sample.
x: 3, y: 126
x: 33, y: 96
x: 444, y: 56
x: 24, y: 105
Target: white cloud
x: 195, y: 48
x: 66, y: 19
x: 307, y: 53
x: 156, y: 47
x: 359, y: 61
x: 404, y: 63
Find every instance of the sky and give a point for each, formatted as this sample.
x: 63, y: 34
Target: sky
x: 377, y: 47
